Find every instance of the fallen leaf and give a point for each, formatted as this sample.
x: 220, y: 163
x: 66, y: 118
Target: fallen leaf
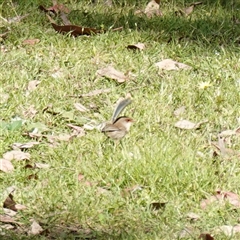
x: 20, y: 207
x: 79, y: 131
x: 24, y: 145
x: 188, y: 10
x: 223, y: 151
x: 35, y: 228
x: 185, y: 124
x: 10, y: 203
x: 169, y: 64
x: 206, y: 236
x: 227, y: 133
x: 9, y: 212
x: 222, y: 197
x: 152, y: 9
x: 16, y: 155
x: 32, y: 85
x: 6, y: 165
x: 138, y: 46
x: 80, y: 107
x: 31, y: 41
x: 112, y: 73
x: 7, y: 219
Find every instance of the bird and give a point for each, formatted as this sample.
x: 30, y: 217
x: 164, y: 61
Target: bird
x: 119, y: 126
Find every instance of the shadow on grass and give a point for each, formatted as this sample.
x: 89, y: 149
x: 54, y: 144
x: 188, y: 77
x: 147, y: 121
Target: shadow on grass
x: 68, y: 233
x: 221, y: 30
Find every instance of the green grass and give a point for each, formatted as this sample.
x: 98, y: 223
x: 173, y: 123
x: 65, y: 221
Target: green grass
x: 155, y: 155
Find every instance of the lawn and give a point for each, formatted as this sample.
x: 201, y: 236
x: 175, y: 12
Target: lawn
x: 176, y: 174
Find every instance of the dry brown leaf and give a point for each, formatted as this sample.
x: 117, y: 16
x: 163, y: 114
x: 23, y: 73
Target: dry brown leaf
x: 16, y: 155
x: 152, y: 9
x: 188, y: 10
x: 7, y: 219
x: 10, y: 203
x: 206, y: 236
x: 227, y: 133
x: 78, y: 131
x: 35, y: 228
x: 185, y: 124
x: 169, y: 64
x: 32, y: 85
x: 24, y: 145
x: 223, y: 151
x: 20, y: 207
x: 138, y: 46
x: 31, y: 41
x: 9, y: 212
x: 222, y: 197
x: 112, y: 73
x: 80, y: 107
x: 6, y: 165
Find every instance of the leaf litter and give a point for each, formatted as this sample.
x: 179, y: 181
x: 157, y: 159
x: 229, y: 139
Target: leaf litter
x: 169, y: 64
x: 137, y: 46
x: 111, y: 73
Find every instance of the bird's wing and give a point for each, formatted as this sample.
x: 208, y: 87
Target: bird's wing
x: 110, y: 128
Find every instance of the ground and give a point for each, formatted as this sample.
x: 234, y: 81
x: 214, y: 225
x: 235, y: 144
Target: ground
x: 146, y: 186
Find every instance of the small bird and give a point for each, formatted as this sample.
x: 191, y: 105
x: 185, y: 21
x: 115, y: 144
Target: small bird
x: 120, y: 126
